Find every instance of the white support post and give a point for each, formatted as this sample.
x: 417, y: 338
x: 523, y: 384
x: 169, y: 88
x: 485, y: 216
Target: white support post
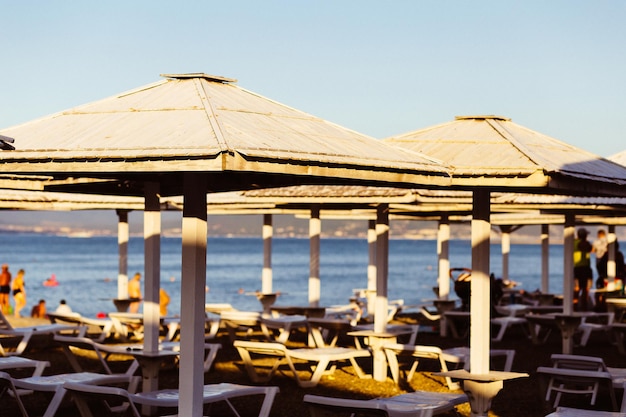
x: 315, y: 229
x: 611, y: 267
x: 371, y: 267
x: 443, y: 254
x: 122, y: 247
x: 267, y: 277
x: 545, y: 258
x: 382, y: 267
x: 480, y: 327
x: 193, y: 282
x: 152, y: 266
x: 506, y: 251
x: 568, y: 264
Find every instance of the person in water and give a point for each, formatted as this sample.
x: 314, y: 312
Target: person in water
x: 52, y: 281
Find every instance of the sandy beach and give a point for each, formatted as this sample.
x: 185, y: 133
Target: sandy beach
x: 520, y: 397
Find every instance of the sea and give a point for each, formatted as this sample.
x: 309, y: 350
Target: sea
x: 87, y: 267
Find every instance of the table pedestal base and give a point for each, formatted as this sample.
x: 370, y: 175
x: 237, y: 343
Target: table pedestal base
x: 480, y: 394
x: 568, y: 326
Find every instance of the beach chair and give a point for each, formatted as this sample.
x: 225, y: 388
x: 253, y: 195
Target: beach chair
x: 320, y: 360
x: 601, y: 322
x: 131, y: 324
x: 414, y: 404
x: 17, y: 362
x: 6, y: 386
x: 54, y: 384
x: 505, y: 322
x: 577, y: 412
x: 236, y: 320
x: 168, y: 398
x: 394, y: 351
x: 325, y: 332
x: 103, y: 351
x: 579, y: 375
x: 105, y: 326
x: 100, y: 350
x: 279, y: 328
x: 24, y: 334
x: 501, y: 359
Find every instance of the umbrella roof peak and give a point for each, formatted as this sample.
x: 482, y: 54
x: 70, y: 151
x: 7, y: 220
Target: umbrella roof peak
x: 208, y: 77
x: 482, y: 117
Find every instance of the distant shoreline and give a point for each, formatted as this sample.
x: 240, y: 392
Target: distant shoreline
x: 526, y: 240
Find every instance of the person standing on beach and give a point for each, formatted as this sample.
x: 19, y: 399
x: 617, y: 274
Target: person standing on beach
x: 5, y: 289
x: 583, y: 275
x: 134, y: 291
x: 19, y: 292
x: 600, y: 248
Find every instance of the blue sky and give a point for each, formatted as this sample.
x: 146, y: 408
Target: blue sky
x: 379, y: 67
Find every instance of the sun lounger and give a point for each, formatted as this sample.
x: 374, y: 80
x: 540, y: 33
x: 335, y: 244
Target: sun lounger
x: 602, y: 322
x: 319, y: 359
x: 26, y: 333
x: 127, y: 324
x: 235, y: 320
x: 326, y: 331
x: 506, y: 322
x: 105, y: 326
x: 576, y: 412
x: 103, y: 351
x: 54, y: 384
x: 17, y: 362
x: 6, y: 385
x: 463, y: 352
x: 414, y: 404
x: 576, y: 375
x: 100, y: 350
x: 283, y: 325
x: 457, y: 356
x: 417, y: 352
x: 168, y: 398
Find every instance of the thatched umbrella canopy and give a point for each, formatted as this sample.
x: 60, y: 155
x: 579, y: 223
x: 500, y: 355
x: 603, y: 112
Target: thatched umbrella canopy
x: 188, y: 135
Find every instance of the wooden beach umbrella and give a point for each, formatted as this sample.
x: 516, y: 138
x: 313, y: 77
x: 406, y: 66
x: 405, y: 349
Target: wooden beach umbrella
x: 491, y: 153
x: 190, y: 134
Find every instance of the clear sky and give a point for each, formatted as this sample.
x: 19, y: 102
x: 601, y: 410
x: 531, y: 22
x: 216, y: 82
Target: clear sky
x: 379, y: 67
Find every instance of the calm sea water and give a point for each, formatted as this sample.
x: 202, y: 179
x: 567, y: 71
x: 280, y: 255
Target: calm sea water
x: 87, y: 269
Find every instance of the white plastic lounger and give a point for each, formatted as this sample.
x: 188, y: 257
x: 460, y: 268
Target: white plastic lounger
x: 103, y: 351
x: 578, y: 374
x: 25, y: 333
x: 105, y: 326
x: 168, y: 398
x: 54, y: 384
x: 6, y: 385
x: 414, y: 404
x: 320, y: 359
x: 416, y: 353
x: 17, y: 362
x: 577, y: 412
